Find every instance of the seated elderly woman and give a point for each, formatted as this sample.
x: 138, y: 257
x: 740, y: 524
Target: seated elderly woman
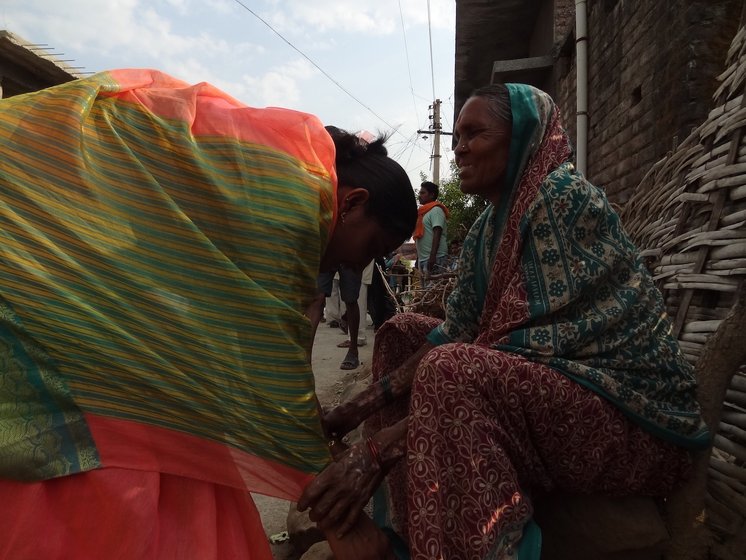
x: 554, y: 370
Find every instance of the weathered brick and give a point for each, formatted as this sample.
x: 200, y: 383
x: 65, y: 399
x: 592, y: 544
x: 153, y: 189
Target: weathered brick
x: 652, y: 70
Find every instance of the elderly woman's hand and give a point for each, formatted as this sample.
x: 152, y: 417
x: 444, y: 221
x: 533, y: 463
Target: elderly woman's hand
x: 340, y: 421
x: 339, y: 493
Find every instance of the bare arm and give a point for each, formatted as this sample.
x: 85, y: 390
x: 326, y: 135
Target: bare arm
x: 348, y: 415
x: 437, y: 233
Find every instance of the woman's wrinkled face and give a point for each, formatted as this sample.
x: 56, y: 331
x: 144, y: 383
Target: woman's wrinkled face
x: 482, y: 148
x: 358, y: 237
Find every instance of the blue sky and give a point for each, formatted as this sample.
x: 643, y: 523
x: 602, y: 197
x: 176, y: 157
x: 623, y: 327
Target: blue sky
x: 377, y: 50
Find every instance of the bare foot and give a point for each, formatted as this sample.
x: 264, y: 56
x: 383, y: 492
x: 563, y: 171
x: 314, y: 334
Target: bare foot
x: 365, y: 541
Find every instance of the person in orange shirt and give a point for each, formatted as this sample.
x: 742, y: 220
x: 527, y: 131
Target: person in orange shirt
x: 430, y: 232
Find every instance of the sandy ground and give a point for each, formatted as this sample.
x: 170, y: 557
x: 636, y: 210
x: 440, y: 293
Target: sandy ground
x: 329, y: 384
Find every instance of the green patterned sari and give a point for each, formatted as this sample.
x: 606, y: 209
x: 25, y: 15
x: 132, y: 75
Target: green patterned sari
x: 159, y: 244
x: 549, y: 273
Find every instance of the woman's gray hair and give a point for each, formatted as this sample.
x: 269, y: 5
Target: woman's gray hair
x: 498, y: 101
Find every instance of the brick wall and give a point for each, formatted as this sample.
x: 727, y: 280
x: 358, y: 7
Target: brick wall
x: 652, y: 68
x: 564, y: 19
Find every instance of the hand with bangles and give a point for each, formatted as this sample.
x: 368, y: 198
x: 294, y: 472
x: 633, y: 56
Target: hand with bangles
x: 339, y: 493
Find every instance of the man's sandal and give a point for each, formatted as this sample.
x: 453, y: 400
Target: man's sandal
x: 350, y: 362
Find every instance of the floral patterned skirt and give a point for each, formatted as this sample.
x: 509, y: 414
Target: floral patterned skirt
x: 487, y: 430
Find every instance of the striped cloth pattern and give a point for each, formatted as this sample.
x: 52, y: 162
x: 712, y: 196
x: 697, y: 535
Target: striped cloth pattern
x: 158, y: 245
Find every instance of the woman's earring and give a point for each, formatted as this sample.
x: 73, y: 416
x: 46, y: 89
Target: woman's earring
x: 342, y: 217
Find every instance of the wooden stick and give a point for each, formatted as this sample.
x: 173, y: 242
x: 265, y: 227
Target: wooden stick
x: 738, y: 451
x: 736, y: 397
x: 729, y: 469
x: 726, y: 495
x: 734, y: 417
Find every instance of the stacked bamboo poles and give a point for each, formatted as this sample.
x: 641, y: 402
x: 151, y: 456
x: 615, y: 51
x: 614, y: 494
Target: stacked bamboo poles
x: 688, y: 215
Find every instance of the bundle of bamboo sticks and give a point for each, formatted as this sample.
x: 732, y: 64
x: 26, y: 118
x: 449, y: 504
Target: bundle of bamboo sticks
x: 695, y: 246
x: 429, y: 297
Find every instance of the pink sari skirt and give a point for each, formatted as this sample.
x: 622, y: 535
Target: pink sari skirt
x: 487, y: 431
x: 125, y: 514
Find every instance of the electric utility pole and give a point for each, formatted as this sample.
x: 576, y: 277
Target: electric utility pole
x: 437, y: 132
x: 436, y: 141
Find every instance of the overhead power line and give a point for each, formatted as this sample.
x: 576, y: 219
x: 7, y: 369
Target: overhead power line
x: 430, y: 35
x: 319, y: 68
x: 409, y: 66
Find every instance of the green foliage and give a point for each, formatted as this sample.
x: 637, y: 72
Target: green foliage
x: 464, y: 208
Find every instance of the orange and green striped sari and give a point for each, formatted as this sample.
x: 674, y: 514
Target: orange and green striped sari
x: 159, y: 243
